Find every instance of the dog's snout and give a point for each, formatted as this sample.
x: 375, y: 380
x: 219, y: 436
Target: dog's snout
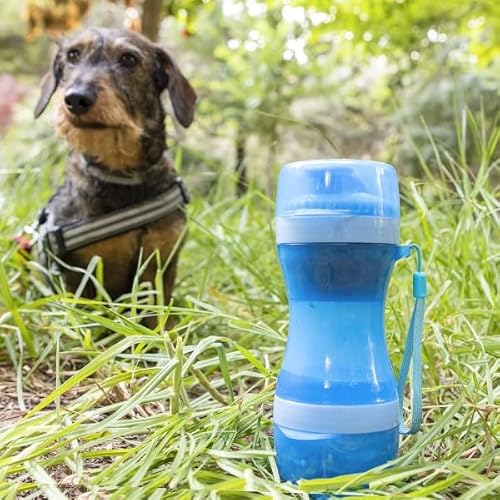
x: 79, y: 100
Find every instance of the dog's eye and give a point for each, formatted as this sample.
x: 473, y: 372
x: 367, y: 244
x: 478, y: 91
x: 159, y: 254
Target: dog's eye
x: 73, y: 55
x: 128, y: 60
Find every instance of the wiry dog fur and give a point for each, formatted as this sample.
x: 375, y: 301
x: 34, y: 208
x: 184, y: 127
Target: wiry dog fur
x: 122, y: 131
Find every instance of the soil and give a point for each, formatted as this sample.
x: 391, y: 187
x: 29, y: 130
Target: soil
x: 34, y: 388
x: 40, y: 383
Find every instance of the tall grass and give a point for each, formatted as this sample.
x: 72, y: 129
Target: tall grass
x: 186, y: 412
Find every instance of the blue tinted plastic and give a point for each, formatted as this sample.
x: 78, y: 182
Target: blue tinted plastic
x: 336, y: 351
x: 338, y: 187
x: 305, y: 455
x: 338, y: 233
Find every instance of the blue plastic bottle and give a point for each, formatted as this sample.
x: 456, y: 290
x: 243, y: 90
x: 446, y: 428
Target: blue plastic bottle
x: 336, y: 409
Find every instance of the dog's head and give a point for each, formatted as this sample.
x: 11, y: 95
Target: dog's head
x: 109, y: 84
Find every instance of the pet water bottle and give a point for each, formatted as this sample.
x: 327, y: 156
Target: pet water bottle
x: 338, y: 406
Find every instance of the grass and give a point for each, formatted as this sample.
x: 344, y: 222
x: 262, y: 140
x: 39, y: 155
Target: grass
x: 128, y: 412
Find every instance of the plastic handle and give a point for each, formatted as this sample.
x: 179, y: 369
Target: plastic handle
x: 413, y: 349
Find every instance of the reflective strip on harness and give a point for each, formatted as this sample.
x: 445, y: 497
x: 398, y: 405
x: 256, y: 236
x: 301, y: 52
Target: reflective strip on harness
x: 65, y: 239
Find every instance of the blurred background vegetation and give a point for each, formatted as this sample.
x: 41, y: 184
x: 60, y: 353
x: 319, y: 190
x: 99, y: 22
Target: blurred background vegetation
x: 412, y: 82
x: 288, y: 80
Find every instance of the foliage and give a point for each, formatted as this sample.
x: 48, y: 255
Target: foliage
x: 54, y: 17
x: 351, y: 71
x: 113, y: 408
x: 298, y: 78
x: 186, y: 412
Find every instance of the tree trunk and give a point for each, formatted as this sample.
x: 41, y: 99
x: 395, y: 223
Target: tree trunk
x: 271, y: 161
x: 241, y: 166
x: 151, y: 17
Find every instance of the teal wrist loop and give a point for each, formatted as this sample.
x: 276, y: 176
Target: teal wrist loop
x: 413, y: 352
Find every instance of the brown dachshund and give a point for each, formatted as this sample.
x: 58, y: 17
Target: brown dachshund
x: 107, y: 84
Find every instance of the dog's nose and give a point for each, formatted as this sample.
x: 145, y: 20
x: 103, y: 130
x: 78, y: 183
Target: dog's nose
x: 79, y: 100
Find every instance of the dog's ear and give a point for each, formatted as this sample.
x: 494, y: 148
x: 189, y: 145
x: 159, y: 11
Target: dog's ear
x: 50, y: 81
x: 181, y: 93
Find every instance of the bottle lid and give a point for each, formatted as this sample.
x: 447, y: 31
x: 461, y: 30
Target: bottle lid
x: 337, y: 201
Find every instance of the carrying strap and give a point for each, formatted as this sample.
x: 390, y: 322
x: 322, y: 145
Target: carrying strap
x: 63, y: 239
x: 413, y: 352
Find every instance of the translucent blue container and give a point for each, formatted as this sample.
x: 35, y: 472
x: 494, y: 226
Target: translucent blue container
x: 336, y: 409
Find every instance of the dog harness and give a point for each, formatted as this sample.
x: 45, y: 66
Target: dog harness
x: 59, y: 240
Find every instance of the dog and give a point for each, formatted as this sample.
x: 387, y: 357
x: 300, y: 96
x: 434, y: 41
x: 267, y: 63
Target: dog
x: 107, y: 85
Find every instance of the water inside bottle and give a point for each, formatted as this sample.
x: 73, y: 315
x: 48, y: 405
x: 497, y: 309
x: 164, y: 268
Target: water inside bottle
x: 336, y: 350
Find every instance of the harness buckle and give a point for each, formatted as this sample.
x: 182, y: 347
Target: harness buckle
x: 182, y: 187
x: 55, y: 241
